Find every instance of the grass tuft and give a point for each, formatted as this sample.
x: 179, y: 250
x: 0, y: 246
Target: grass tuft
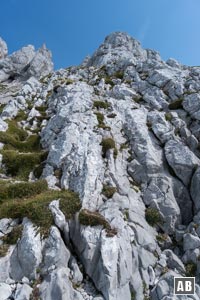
x: 108, y: 191
x: 152, y: 216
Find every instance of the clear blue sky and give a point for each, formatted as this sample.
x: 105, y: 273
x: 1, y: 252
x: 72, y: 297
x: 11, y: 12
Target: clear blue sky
x: 74, y: 29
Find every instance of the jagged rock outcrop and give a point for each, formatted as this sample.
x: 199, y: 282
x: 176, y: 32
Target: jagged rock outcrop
x: 122, y: 132
x: 25, y: 63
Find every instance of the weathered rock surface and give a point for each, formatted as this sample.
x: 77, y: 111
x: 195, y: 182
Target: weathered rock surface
x: 123, y: 131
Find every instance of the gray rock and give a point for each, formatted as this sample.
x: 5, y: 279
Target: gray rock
x: 41, y: 64
x: 3, y: 49
x: 23, y: 292
x: 14, y: 64
x: 173, y: 262
x: 26, y: 63
x: 27, y: 254
x: 190, y: 242
x: 55, y: 254
x: 58, y: 286
x: 191, y: 104
x: 159, y: 194
x: 118, y: 47
x: 5, y: 291
x: 181, y: 159
x: 195, y: 189
x: 77, y: 275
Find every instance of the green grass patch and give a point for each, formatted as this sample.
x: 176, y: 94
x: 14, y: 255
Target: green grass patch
x: 21, y: 164
x: 36, y: 208
x: 22, y: 189
x: 152, y: 216
x: 101, y: 104
x: 108, y: 191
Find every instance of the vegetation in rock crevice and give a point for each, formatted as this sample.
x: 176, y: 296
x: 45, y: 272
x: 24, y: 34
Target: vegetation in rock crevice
x: 107, y: 144
x: 90, y: 218
x: 108, y: 191
x: 101, y: 104
x: 152, y: 216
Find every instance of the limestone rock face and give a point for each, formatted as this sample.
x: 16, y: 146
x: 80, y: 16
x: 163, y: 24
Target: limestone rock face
x: 121, y: 132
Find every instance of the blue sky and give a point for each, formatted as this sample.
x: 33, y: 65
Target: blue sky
x: 74, y: 29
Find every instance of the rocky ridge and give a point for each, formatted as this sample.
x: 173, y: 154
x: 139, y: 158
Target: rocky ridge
x: 120, y: 132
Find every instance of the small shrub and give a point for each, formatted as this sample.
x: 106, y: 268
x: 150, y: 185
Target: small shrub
x: 22, y: 189
x: 108, y: 191
x: 107, y: 144
x: 152, y: 216
x: 190, y: 269
x: 177, y: 104
x: 101, y: 104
